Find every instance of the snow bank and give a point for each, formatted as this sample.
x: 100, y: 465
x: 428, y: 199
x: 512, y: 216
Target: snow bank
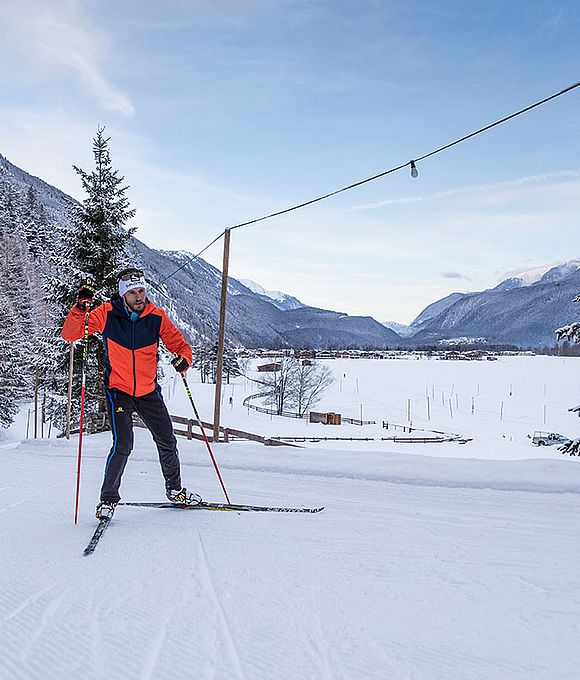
x: 561, y: 475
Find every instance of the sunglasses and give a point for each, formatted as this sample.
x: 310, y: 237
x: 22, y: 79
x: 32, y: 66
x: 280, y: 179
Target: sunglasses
x: 132, y: 275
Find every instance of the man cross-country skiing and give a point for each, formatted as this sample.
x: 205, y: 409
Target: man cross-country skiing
x: 131, y: 327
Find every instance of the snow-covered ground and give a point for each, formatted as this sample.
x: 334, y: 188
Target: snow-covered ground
x: 429, y: 562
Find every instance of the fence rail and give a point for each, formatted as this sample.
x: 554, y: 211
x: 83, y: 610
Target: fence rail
x: 356, y: 421
x: 229, y: 433
x: 269, y: 411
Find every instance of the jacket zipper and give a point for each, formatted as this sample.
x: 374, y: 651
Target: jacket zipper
x: 133, y: 352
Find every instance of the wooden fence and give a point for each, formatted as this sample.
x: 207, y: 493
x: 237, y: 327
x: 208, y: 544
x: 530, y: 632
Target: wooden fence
x: 356, y: 421
x: 269, y: 411
x: 189, y: 425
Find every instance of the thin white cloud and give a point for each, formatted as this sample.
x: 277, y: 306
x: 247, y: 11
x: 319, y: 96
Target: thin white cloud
x: 552, y: 25
x: 455, y: 275
x: 481, y: 188
x: 58, y: 37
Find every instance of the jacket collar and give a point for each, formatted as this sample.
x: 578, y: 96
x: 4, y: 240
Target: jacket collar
x: 120, y: 308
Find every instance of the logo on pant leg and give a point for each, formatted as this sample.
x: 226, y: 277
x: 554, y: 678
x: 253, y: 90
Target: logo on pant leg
x: 119, y: 409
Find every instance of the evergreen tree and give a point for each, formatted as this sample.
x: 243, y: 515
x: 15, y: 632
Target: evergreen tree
x: 205, y: 361
x: 14, y: 383
x: 35, y: 225
x: 96, y: 246
x: 572, y: 333
x: 10, y: 208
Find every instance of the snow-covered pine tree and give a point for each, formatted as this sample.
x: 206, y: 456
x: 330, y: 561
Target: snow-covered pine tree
x: 572, y: 333
x: 10, y: 206
x: 19, y: 293
x: 14, y: 387
x: 35, y: 225
x: 95, y: 246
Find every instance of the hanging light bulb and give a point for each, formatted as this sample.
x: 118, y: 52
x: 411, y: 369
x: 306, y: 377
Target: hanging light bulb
x: 414, y: 171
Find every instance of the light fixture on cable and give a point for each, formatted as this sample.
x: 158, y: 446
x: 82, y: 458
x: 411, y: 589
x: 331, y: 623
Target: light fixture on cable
x: 414, y: 171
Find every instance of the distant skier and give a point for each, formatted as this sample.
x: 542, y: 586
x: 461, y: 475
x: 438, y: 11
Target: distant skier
x: 231, y: 402
x: 131, y: 327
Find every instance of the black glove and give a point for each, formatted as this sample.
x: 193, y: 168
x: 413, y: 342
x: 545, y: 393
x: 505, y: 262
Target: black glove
x: 86, y: 293
x: 179, y: 364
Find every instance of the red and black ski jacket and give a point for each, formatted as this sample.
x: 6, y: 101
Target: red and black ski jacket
x: 130, y: 341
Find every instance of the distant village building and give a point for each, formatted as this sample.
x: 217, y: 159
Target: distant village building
x: 325, y: 418
x: 269, y: 368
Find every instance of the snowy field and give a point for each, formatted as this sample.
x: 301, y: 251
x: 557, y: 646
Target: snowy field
x: 430, y: 561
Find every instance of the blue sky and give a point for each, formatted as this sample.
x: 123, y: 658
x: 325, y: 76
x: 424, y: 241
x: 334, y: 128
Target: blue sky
x: 222, y: 111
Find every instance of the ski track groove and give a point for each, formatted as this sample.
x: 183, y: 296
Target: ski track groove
x: 157, y: 647
x: 49, y: 611
x: 323, y: 650
x: 96, y: 639
x: 10, y: 506
x: 28, y: 601
x: 221, y: 613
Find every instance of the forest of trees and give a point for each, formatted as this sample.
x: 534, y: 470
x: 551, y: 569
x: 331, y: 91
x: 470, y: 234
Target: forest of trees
x: 205, y: 361
x: 24, y: 238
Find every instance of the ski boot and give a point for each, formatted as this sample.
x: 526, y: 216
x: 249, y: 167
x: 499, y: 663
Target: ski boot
x: 182, y: 497
x: 105, y: 509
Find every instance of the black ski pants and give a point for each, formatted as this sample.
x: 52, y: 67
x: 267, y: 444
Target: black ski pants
x: 154, y: 414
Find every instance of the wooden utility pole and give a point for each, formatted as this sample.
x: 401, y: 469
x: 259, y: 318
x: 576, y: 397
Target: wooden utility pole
x: 221, y: 338
x: 43, y: 414
x: 70, y: 386
x: 36, y: 404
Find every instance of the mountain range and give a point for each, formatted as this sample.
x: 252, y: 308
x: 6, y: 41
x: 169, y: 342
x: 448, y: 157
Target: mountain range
x: 523, y: 310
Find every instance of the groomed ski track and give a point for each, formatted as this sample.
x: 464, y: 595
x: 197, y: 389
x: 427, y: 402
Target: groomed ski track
x: 413, y: 581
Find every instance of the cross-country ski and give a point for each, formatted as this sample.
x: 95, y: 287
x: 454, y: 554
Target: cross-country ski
x: 99, y: 531
x: 237, y: 507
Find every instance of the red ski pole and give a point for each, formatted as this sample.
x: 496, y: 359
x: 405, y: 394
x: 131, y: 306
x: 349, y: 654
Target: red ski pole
x: 83, y: 382
x: 213, y: 460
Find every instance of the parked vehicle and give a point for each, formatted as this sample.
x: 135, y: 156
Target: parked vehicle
x: 548, y: 438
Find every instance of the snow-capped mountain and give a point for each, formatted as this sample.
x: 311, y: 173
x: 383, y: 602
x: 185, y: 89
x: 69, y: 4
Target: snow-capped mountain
x: 402, y: 329
x: 276, y: 297
x: 543, y: 274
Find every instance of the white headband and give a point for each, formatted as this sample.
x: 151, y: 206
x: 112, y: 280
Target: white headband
x: 136, y: 281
